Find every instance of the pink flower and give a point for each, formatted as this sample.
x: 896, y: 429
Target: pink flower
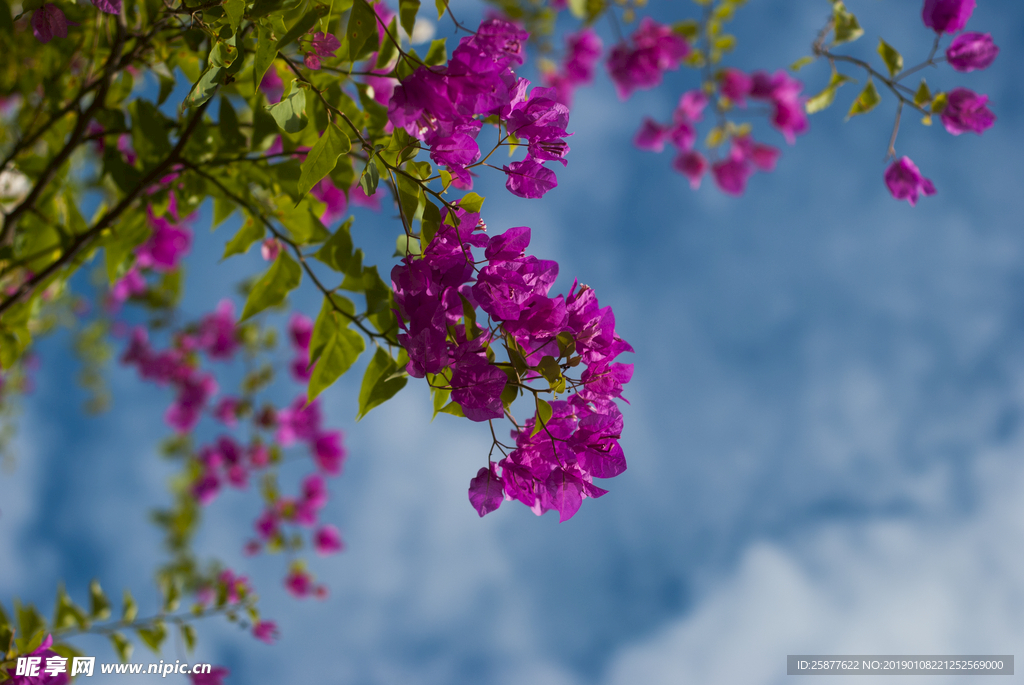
x: 947, y: 15
x: 314, y: 491
x: 486, y: 491
x: 108, y: 6
x: 214, y: 677
x: 299, y: 421
x: 226, y: 411
x: 329, y: 452
x: 265, y: 631
x: 655, y: 48
x: 335, y: 199
x: 312, y: 61
x: 193, y: 393
x: 325, y: 44
x: 966, y: 111
x: 270, y: 248
x: 132, y: 283
x: 692, y: 165
x: 267, y: 525
x: 970, y: 51
x: 272, y: 86
x: 529, y: 179
x: 298, y: 582
x: 691, y: 106
x: 736, y: 86
x: 217, y: 334
x: 42, y: 652
x: 731, y: 175
x: 651, y: 136
x: 49, y: 22
x: 166, y: 245
x: 905, y: 181
x: 300, y: 330
x: 327, y: 539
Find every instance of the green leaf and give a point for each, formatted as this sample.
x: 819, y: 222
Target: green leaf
x: 407, y: 10
x: 337, y: 251
x: 866, y: 101
x: 125, y: 176
x: 99, y: 605
x: 206, y: 86
x: 6, y: 23
x: 266, y: 51
x: 188, y: 636
x: 893, y: 59
x: 939, y: 103
x: 261, y: 8
x: 340, y: 352
x: 801, y: 63
x: 270, y: 290
x: 322, y: 158
x: 290, y: 113
x: 67, y: 614
x: 441, y: 6
x: 370, y: 178
x: 329, y: 322
x: 542, y: 417
x: 131, y: 609
x: 300, y: 27
x: 404, y: 246
x: 149, y: 135
x: 471, y: 202
x: 923, y: 95
x: 437, y: 54
x: 380, y: 382
x: 227, y: 123
x: 222, y: 209
x: 362, y: 30
x: 430, y: 222
x: 122, y: 647
x: 828, y: 95
x: 847, y: 28
x: 234, y: 9
x: 154, y: 636
x: 124, y: 237
x: 389, y: 49
x: 303, y: 225
x: 249, y: 233
x: 578, y: 8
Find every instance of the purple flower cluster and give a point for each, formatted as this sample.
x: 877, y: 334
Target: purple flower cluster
x: 582, y: 51
x: 554, y: 468
x: 639, y: 64
x: 49, y: 21
x: 745, y: 154
x: 947, y: 16
x: 444, y: 107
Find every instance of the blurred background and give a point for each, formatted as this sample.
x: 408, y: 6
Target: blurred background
x: 824, y: 437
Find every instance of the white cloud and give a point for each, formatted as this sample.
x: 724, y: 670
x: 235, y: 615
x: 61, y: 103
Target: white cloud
x: 885, y: 587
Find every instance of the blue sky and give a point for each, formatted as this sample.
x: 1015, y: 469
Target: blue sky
x: 824, y: 438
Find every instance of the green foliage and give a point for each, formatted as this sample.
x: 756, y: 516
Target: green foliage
x: 866, y: 101
x: 273, y: 287
x: 323, y: 157
x: 825, y: 98
x: 290, y: 113
x: 892, y: 58
x: 249, y: 233
x: 382, y: 380
x: 846, y: 26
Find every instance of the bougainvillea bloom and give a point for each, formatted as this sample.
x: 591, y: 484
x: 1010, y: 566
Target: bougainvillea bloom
x: 905, y: 181
x: 327, y: 540
x: 325, y: 44
x: 736, y: 85
x: 653, y: 49
x: 582, y: 51
x: 486, y: 491
x: 731, y: 175
x: 108, y: 6
x: 947, y: 15
x: 265, y: 631
x: 166, y: 245
x: 966, y: 111
x: 270, y: 248
x: 312, y: 61
x: 272, y: 85
x: 970, y: 51
x: 692, y: 165
x: 49, y: 22
x: 529, y: 179
x: 43, y: 677
x: 217, y: 334
x: 216, y: 676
